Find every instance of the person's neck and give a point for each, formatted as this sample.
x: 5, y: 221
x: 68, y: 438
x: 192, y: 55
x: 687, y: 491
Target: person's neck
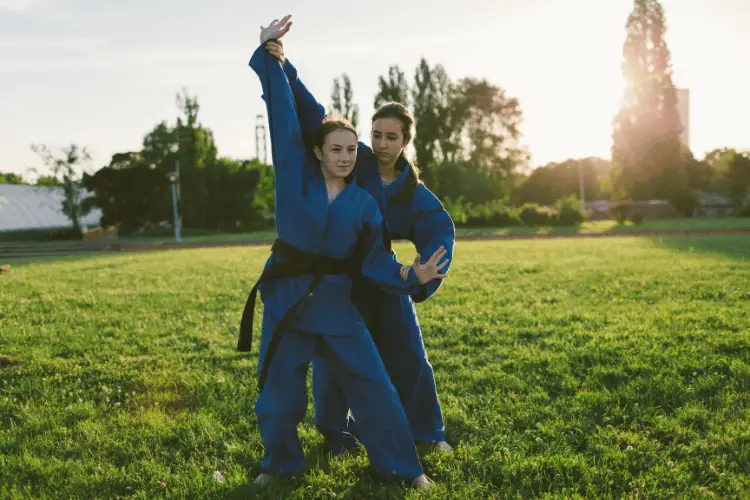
x: 388, y: 171
x: 333, y: 184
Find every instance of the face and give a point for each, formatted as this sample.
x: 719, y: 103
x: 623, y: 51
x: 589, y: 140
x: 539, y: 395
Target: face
x: 338, y: 155
x: 387, y: 139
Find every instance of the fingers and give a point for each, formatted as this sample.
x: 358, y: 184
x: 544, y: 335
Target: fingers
x: 438, y: 255
x: 404, y: 272
x: 284, y: 31
x: 442, y: 264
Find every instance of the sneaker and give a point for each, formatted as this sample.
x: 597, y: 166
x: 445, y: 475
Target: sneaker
x: 263, y: 478
x: 423, y: 483
x: 444, y: 447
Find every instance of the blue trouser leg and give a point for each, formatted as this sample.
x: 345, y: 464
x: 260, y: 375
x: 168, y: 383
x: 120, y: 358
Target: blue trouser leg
x: 282, y: 404
x: 383, y: 427
x: 331, y: 409
x: 395, y: 330
x: 357, y: 369
x: 399, y: 341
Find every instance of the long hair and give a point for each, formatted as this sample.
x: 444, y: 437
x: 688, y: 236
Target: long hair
x: 401, y: 113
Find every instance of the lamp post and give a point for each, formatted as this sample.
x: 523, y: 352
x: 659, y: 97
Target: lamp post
x: 174, y: 179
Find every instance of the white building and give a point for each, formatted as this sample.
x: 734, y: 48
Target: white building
x: 34, y: 207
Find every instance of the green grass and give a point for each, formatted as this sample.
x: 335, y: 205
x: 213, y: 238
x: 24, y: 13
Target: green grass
x: 604, y: 226
x: 566, y: 368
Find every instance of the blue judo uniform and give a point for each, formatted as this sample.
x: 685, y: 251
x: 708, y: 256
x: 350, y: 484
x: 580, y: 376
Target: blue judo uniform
x: 412, y: 213
x: 325, y: 324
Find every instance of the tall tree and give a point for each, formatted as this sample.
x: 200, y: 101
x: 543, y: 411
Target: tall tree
x: 68, y: 168
x: 197, y: 151
x: 342, y: 99
x: 646, y: 142
x: 430, y: 95
x: 394, y: 89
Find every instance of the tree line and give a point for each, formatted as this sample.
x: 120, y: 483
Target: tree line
x: 467, y: 144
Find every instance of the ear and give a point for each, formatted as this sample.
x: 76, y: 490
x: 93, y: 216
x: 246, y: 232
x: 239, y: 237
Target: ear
x: 318, y: 153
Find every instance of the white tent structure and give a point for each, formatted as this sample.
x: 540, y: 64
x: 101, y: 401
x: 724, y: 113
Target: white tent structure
x: 24, y: 208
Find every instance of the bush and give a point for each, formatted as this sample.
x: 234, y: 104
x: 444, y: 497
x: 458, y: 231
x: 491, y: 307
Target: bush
x: 492, y: 214
x: 619, y: 213
x: 744, y: 211
x: 570, y: 211
x: 458, y: 209
x: 532, y: 214
x: 637, y: 219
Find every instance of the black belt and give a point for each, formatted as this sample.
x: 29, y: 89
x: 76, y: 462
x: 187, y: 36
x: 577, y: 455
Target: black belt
x: 296, y: 263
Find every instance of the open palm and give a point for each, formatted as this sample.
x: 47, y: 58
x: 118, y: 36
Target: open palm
x: 276, y: 29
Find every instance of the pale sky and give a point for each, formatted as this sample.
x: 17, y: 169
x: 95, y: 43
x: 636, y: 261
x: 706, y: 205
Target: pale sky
x: 102, y: 74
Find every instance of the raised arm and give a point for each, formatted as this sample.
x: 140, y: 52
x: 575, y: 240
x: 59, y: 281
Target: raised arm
x: 383, y: 270
x: 310, y: 111
x: 432, y: 228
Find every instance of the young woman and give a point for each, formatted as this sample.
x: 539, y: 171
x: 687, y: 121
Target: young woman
x: 327, y: 228
x: 412, y: 213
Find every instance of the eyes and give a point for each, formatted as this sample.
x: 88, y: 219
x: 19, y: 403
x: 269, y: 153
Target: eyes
x: 389, y: 136
x: 339, y: 149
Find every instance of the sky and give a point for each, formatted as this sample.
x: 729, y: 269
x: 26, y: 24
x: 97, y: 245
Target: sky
x: 103, y: 74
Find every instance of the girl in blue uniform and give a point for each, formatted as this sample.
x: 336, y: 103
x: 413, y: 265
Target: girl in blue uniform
x: 412, y: 213
x: 327, y: 228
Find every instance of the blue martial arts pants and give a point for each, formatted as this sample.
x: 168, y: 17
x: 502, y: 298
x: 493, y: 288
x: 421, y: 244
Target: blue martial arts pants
x: 394, y: 326
x: 353, y: 361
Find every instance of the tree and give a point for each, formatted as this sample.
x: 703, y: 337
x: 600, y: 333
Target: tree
x: 646, y: 142
x: 486, y: 126
x: 430, y: 96
x: 131, y: 192
x: 394, y: 89
x: 69, y: 170
x: 196, y: 151
x: 343, y: 99
x: 48, y: 181
x: 730, y: 174
x: 11, y: 178
x: 549, y: 183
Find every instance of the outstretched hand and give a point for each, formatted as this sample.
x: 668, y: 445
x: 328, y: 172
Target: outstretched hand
x: 276, y: 29
x: 430, y: 270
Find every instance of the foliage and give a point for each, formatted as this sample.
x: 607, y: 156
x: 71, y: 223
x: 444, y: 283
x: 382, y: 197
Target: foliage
x: 68, y: 167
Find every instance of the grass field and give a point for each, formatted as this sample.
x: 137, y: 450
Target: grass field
x: 566, y: 368
x: 604, y: 226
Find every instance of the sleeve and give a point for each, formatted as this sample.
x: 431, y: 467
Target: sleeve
x: 378, y: 265
x: 431, y: 227
x: 287, y: 149
x: 311, y: 112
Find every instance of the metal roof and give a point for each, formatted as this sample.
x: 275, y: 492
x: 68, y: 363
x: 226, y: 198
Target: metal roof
x: 35, y: 207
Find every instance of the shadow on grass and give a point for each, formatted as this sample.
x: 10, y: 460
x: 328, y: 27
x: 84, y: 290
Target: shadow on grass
x: 734, y: 246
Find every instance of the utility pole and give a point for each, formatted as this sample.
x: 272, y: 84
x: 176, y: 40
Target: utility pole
x: 580, y: 183
x: 260, y: 139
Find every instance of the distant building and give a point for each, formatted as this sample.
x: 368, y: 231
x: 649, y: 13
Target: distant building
x: 652, y: 209
x: 24, y: 208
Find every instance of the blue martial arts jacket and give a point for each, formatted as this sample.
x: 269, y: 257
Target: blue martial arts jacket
x: 351, y: 223
x: 412, y: 211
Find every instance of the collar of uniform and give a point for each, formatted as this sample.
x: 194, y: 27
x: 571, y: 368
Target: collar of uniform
x: 402, y: 166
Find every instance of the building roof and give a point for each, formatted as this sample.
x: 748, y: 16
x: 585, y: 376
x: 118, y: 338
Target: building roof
x: 35, y: 207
